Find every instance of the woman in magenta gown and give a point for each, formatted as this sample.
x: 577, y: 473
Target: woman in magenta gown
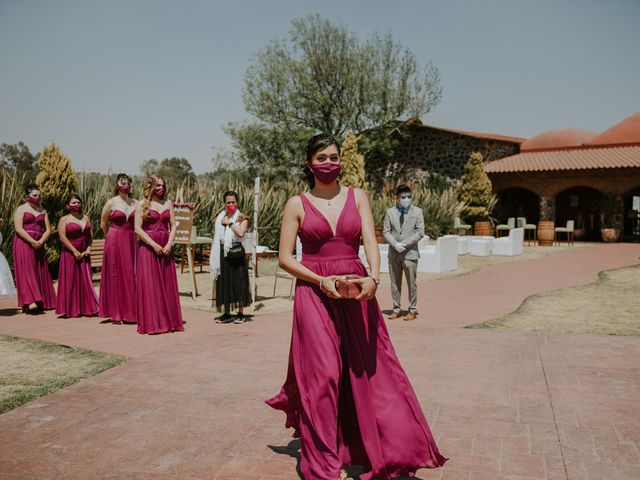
x: 346, y: 395
x: 76, y: 296
x: 117, y: 280
x: 157, y: 284
x: 33, y: 279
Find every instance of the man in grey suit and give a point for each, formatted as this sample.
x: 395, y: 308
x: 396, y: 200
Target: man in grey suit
x: 403, y: 229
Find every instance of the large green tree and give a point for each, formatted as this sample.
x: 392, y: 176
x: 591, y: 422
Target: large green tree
x: 269, y: 151
x: 17, y: 157
x: 324, y: 78
x: 175, y: 170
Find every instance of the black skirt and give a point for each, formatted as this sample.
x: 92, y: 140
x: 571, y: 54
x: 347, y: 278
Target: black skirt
x: 232, y: 287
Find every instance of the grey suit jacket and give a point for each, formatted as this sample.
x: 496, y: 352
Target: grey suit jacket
x: 409, y: 234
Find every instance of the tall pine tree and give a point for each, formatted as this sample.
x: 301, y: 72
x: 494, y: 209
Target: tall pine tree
x: 353, y: 172
x: 475, y: 190
x: 56, y: 179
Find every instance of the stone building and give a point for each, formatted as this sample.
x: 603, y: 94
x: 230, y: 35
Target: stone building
x: 423, y: 149
x: 562, y: 175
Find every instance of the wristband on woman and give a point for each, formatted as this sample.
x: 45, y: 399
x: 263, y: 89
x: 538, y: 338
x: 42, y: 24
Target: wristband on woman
x: 375, y: 280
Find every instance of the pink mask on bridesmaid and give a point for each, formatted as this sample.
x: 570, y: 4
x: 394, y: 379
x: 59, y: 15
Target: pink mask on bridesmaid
x: 34, y: 199
x: 76, y: 207
x: 232, y: 209
x: 326, y: 172
x: 124, y: 188
x: 159, y: 191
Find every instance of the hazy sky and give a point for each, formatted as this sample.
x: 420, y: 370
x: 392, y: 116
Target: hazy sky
x: 117, y: 82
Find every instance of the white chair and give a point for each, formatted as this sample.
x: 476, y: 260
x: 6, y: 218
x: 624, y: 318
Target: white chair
x: 458, y: 225
x: 443, y: 257
x: 528, y: 227
x: 511, y: 224
x: 568, y: 231
x: 282, y: 274
x: 511, y: 245
x: 383, y: 248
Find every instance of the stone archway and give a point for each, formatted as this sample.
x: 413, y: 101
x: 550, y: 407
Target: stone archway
x: 517, y: 202
x: 631, y: 215
x: 582, y: 205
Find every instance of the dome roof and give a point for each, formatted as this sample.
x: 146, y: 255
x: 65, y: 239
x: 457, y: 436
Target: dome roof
x: 626, y: 131
x: 561, y: 137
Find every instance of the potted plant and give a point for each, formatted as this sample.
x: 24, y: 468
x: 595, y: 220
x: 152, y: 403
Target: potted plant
x: 610, y: 211
x: 476, y: 193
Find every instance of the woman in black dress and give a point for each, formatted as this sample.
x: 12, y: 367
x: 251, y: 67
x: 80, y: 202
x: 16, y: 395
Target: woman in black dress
x: 228, y: 262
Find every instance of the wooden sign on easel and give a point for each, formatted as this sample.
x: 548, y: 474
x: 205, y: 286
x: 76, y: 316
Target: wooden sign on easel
x: 184, y: 223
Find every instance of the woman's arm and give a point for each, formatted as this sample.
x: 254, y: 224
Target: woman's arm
x: 19, y: 227
x: 87, y: 251
x: 172, y: 230
x: 47, y: 228
x: 240, y: 228
x: 142, y: 235
x: 104, y: 216
x: 288, y: 233
x: 369, y: 286
x: 62, y: 233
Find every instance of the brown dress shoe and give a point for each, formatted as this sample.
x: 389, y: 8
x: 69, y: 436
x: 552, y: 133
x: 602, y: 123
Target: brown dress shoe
x: 394, y: 315
x: 410, y: 316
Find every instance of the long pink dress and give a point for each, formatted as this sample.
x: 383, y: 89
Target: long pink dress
x: 157, y: 282
x: 33, y: 279
x: 117, y: 281
x: 76, y: 296
x: 346, y: 395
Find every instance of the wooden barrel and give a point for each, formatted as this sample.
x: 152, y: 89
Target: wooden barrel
x: 546, y: 233
x: 482, y: 229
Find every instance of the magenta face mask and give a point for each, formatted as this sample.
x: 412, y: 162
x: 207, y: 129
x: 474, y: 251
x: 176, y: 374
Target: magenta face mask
x: 159, y: 192
x: 326, y: 172
x: 124, y: 188
x: 34, y: 200
x: 76, y: 207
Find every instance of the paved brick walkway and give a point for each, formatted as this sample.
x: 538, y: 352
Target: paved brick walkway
x: 502, y: 404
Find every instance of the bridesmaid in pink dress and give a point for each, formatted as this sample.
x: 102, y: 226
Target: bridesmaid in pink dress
x: 117, y: 280
x: 346, y: 394
x: 33, y: 279
x: 157, y: 284
x: 76, y: 296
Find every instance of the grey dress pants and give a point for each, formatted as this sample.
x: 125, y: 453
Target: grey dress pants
x: 398, y: 265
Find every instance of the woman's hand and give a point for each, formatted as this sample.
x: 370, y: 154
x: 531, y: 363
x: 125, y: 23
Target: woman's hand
x: 369, y: 288
x: 157, y: 248
x: 77, y: 254
x: 87, y: 252
x: 328, y: 286
x: 37, y: 245
x: 167, y: 249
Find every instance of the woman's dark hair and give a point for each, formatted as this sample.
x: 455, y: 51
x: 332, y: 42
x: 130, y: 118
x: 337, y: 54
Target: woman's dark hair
x: 72, y: 197
x: 315, y: 144
x: 229, y: 193
x: 403, y: 189
x: 120, y: 177
x: 30, y: 188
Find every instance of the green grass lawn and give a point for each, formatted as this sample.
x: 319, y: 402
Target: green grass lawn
x: 30, y: 369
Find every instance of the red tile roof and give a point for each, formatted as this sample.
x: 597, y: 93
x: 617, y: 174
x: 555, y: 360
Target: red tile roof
x: 626, y: 131
x: 561, y: 137
x: 578, y: 158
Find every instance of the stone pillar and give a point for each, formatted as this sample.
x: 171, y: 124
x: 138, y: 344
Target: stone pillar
x: 547, y: 208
